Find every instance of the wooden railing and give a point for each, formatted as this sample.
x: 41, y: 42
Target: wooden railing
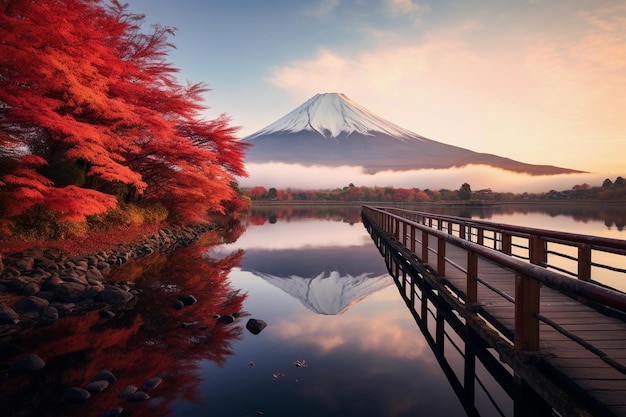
x: 525, y: 251
x: 546, y: 248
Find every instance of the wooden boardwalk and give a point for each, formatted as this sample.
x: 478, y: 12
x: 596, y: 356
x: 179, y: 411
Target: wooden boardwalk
x: 581, y: 348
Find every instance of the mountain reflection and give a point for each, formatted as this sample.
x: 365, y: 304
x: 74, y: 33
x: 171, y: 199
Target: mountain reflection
x: 143, y: 340
x: 326, y: 280
x: 305, y: 253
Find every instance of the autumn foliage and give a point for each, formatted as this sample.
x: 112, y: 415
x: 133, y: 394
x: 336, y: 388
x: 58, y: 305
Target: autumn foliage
x: 92, y: 115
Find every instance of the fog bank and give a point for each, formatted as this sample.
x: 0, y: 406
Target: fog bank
x: 297, y: 176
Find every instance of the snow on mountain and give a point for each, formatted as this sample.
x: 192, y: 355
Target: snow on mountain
x: 332, y: 130
x: 331, y: 114
x: 329, y: 293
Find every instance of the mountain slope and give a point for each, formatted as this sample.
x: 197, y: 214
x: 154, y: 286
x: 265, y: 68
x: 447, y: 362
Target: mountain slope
x: 330, y: 129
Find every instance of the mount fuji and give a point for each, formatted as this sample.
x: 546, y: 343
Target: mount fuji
x: 332, y: 130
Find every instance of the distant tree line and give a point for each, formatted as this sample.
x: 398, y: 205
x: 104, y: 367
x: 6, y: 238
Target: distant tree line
x: 610, y: 190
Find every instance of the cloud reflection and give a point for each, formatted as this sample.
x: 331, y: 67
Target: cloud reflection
x: 383, y: 327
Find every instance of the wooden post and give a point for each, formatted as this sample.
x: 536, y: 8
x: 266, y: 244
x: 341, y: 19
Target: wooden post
x: 404, y: 227
x: 526, y: 309
x: 537, y: 248
x: 480, y: 236
x: 412, y: 246
x: 507, y: 244
x: 425, y: 246
x: 584, y: 262
x: 441, y: 254
x: 396, y: 229
x: 471, y: 290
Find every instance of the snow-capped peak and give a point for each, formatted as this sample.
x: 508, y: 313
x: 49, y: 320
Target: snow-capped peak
x: 331, y: 114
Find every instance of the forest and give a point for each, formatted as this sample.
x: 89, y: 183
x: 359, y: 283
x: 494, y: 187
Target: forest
x: 95, y: 129
x: 608, y: 191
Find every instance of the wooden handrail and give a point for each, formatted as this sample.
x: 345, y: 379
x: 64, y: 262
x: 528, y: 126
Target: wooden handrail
x: 529, y: 276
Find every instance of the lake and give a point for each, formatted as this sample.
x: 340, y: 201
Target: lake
x: 338, y: 341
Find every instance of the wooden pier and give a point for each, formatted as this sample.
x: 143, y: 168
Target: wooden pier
x: 528, y: 293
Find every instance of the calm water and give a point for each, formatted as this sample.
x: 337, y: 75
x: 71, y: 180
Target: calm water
x: 317, y: 280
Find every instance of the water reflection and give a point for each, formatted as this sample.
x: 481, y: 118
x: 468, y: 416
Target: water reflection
x: 606, y: 219
x: 313, y: 274
x: 143, y: 340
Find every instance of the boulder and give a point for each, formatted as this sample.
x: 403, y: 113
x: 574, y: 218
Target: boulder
x: 49, y: 314
x: 69, y: 292
x: 187, y: 299
x: 151, y: 383
x: 138, y: 396
x: 114, y: 295
x: 27, y: 363
x: 255, y: 326
x: 112, y: 412
x: 105, y: 375
x: 76, y: 395
x: 30, y: 303
x: 95, y: 387
x: 8, y: 315
x: 127, y: 391
x: 226, y: 319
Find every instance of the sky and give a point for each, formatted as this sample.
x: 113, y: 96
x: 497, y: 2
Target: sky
x: 538, y: 81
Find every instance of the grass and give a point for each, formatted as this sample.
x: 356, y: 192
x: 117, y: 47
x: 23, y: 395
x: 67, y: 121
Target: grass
x: 86, y: 244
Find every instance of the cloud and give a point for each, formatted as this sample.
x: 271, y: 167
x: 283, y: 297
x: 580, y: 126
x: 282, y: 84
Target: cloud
x: 296, y: 176
x: 558, y: 90
x: 406, y: 8
x: 323, y: 8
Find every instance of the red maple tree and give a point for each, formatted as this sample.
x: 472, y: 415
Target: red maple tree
x: 91, y: 114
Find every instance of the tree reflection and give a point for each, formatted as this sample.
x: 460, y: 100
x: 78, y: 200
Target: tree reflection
x: 147, y: 339
x: 260, y: 215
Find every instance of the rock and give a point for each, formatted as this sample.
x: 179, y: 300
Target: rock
x: 49, y: 314
x: 103, y: 266
x: 8, y: 315
x: 226, y: 319
x: 64, y: 308
x: 127, y: 391
x: 106, y: 314
x: 73, y: 276
x: 46, y: 295
x: 138, y: 396
x: 69, y: 292
x: 30, y: 303
x: 95, y: 387
x: 76, y: 395
x: 51, y: 283
x: 151, y: 383
x: 255, y: 326
x: 114, y: 295
x: 26, y: 364
x: 24, y: 263
x: 178, y: 305
x: 188, y: 299
x: 105, y: 376
x: 93, y: 274
x: 113, y: 412
x: 30, y: 289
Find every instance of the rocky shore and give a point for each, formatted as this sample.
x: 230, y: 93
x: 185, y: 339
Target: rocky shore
x: 42, y: 286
